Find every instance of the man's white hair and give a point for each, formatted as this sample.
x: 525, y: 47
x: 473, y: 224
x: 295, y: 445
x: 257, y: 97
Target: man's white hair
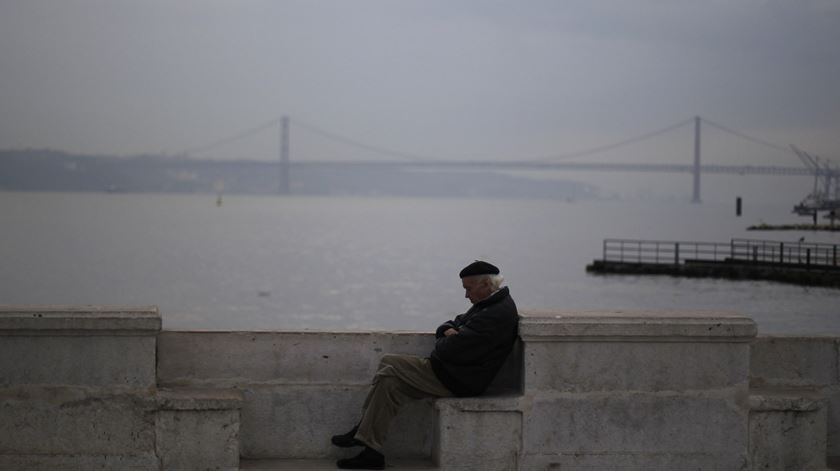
x: 494, y: 281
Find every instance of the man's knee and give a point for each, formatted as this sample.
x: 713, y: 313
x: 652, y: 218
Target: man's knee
x: 389, y: 359
x: 391, y: 362
x: 387, y: 382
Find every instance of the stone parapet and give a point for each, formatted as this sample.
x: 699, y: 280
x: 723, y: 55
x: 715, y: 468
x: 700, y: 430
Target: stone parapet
x: 225, y: 359
x: 77, y: 387
x: 651, y: 388
x: 635, y: 326
x: 795, y: 361
x: 79, y: 320
x: 92, y: 347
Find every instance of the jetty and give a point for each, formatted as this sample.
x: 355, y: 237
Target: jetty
x: 803, y: 263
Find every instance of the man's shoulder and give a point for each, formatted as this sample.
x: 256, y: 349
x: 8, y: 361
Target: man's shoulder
x: 504, y: 307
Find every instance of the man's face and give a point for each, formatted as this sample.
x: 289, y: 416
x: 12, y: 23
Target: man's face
x: 475, y: 288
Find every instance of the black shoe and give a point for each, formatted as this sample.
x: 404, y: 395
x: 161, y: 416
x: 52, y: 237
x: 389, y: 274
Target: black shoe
x: 367, y: 459
x: 346, y: 440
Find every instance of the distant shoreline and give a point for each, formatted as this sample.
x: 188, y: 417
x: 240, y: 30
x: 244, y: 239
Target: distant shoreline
x: 47, y: 170
x: 794, y: 227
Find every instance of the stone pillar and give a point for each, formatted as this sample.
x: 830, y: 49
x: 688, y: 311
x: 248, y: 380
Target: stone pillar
x: 77, y: 388
x: 635, y: 390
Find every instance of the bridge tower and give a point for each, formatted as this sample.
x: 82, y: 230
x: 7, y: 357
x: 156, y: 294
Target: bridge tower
x: 696, y: 196
x: 284, y: 156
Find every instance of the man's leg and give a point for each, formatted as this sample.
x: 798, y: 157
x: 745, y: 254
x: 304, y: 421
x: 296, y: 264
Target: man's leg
x: 398, y: 380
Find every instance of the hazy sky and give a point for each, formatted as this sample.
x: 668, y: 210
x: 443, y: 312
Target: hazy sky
x: 449, y: 78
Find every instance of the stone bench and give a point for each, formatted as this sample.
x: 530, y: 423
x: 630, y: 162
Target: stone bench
x: 795, y: 400
x: 198, y: 429
x: 788, y: 429
x: 478, y: 433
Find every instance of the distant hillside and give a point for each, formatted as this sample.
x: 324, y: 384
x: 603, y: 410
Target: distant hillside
x: 46, y: 170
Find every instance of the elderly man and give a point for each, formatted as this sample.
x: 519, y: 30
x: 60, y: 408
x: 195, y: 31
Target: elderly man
x: 468, y: 353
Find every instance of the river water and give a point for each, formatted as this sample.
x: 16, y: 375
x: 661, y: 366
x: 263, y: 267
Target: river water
x: 294, y: 263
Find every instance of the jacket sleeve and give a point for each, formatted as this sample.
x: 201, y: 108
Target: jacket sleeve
x: 453, y: 324
x: 476, y: 338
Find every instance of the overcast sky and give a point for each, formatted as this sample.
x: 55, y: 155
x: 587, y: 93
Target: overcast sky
x: 459, y: 79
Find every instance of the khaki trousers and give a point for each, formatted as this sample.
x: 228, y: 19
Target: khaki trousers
x: 398, y: 380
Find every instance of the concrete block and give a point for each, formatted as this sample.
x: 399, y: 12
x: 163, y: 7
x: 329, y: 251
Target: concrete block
x: 298, y: 421
x: 78, y: 462
x: 73, y: 360
x: 189, y: 440
x: 225, y: 359
x: 585, y: 461
x: 638, y: 423
x: 778, y: 361
x: 72, y: 421
x: 481, y: 434
x: 634, y: 366
x: 785, y: 362
x: 635, y: 326
x: 832, y: 395
x: 79, y: 320
x: 199, y: 399
x: 90, y: 346
x: 198, y: 429
x: 787, y: 432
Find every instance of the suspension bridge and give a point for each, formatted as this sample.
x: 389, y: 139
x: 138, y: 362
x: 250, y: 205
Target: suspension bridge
x: 551, y: 162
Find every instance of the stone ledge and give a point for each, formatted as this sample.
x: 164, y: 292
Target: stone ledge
x: 480, y: 403
x: 328, y: 465
x: 199, y: 399
x: 79, y: 462
x: 79, y: 320
x: 635, y: 326
x: 785, y: 400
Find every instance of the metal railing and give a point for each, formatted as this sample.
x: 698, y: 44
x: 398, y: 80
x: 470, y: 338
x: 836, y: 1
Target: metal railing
x: 794, y: 253
x: 741, y: 250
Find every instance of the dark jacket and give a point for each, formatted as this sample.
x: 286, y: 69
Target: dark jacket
x: 466, y: 363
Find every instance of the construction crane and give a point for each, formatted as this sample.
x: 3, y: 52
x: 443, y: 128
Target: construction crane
x: 825, y: 195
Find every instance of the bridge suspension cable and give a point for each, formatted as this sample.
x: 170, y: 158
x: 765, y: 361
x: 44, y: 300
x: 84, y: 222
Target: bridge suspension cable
x: 227, y: 140
x: 747, y: 137
x: 346, y: 140
x: 417, y: 157
x: 615, y: 145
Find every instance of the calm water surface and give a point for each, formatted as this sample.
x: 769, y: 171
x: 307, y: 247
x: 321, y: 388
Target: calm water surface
x: 271, y: 263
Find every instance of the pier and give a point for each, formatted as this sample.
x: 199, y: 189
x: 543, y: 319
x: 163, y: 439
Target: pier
x: 789, y: 262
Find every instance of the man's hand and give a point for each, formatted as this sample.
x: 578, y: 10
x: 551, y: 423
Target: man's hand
x: 450, y: 331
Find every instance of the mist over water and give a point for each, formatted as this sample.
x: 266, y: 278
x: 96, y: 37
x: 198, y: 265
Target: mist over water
x: 291, y: 263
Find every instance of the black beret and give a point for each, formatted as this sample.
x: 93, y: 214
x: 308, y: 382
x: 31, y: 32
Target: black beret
x: 478, y: 268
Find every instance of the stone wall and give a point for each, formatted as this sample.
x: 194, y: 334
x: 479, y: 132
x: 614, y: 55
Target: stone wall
x: 103, y: 388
